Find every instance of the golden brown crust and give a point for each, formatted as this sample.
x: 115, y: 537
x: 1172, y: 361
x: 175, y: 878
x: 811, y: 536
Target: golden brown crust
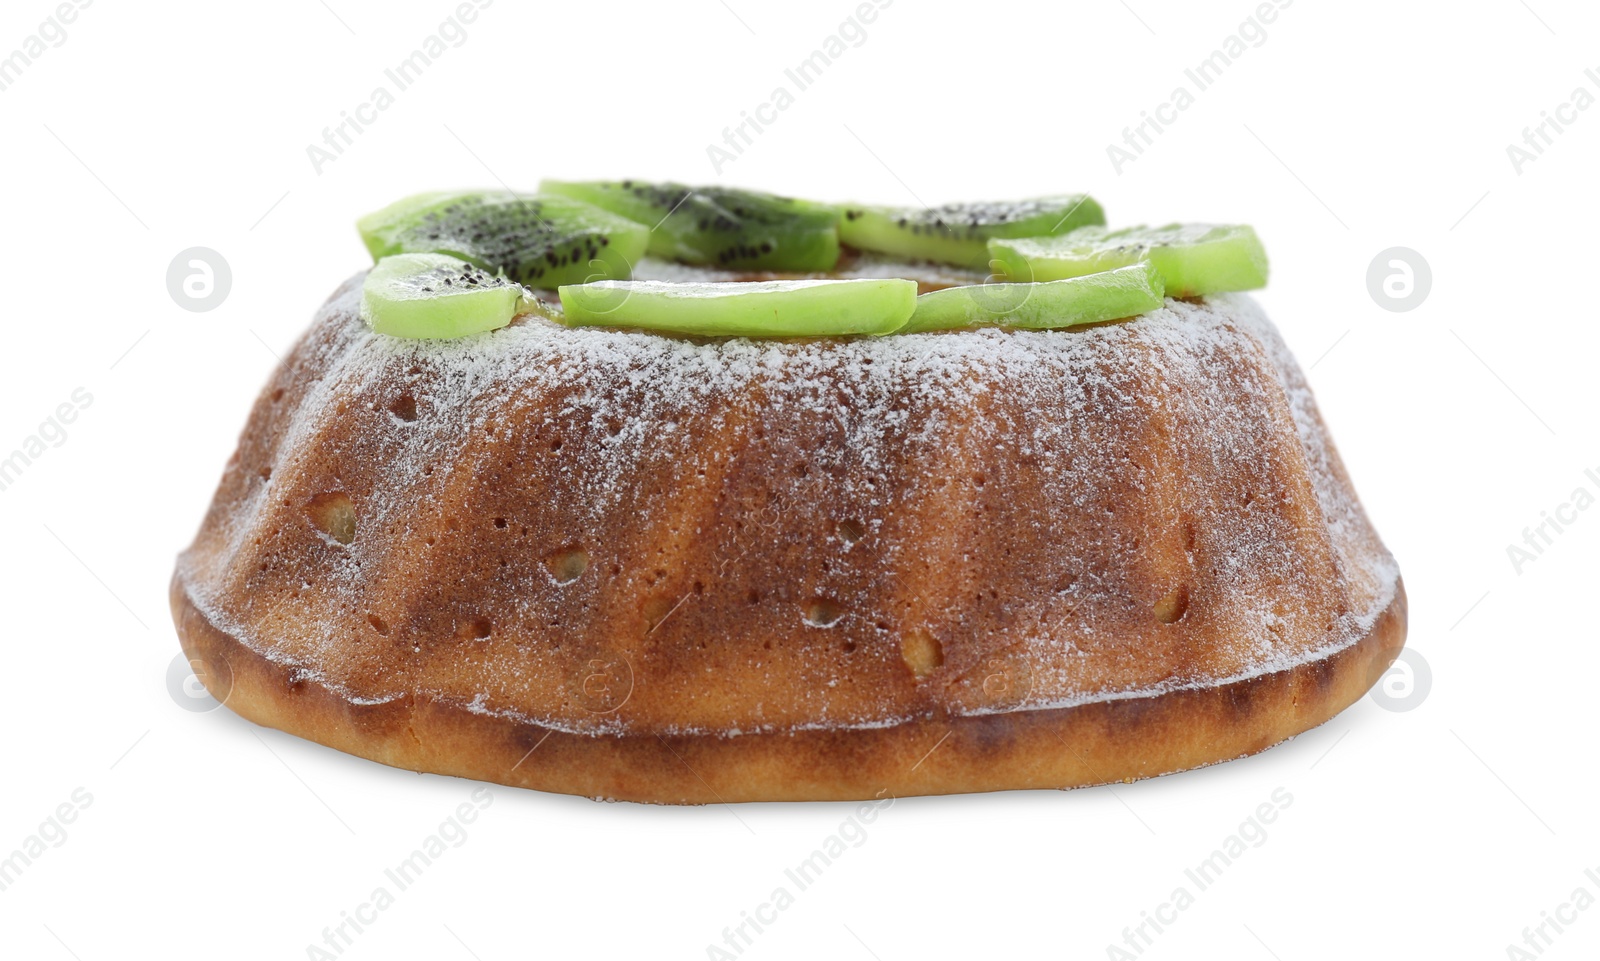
x: 1094, y: 743
x: 685, y: 572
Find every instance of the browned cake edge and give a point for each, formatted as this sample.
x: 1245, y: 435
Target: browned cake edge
x: 1094, y: 743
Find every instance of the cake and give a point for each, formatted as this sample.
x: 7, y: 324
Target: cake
x: 624, y: 565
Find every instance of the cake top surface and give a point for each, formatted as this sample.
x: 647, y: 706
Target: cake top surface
x: 449, y: 264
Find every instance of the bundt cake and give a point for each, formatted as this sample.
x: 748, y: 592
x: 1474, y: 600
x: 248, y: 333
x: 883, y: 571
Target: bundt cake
x: 629, y: 565
x: 1085, y: 528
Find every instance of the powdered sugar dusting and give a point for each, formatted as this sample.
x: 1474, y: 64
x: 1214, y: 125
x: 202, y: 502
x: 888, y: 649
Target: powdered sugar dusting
x: 1025, y: 497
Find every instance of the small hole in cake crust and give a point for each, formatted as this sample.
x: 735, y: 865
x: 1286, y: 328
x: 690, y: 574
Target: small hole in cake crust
x: 474, y: 628
x: 378, y: 624
x: 851, y: 531
x: 334, y: 515
x: 404, y: 407
x: 922, y: 652
x: 500, y: 522
x: 1170, y: 609
x: 567, y: 565
x: 656, y: 610
x: 822, y: 612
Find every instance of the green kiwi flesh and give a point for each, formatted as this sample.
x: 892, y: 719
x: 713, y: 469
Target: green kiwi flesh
x: 959, y: 233
x: 719, y: 226
x: 774, y: 308
x: 1193, y: 259
x: 436, y: 296
x: 538, y: 240
x: 1091, y: 299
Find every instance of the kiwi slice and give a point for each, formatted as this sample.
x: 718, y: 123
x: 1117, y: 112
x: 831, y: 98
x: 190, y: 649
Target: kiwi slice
x: 1193, y: 259
x: 1091, y: 299
x: 772, y: 308
x: 537, y: 240
x: 959, y: 233
x: 720, y: 226
x: 433, y: 295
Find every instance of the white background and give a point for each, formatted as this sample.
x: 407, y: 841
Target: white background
x: 1441, y: 831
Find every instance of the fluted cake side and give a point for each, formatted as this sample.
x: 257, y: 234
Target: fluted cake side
x: 725, y: 570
